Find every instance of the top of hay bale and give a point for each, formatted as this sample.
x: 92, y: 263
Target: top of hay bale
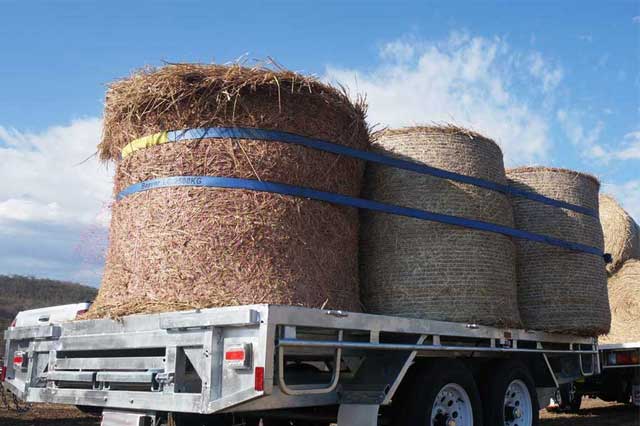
x: 180, y: 96
x: 445, y: 128
x: 542, y: 169
x: 621, y: 233
x: 448, y: 147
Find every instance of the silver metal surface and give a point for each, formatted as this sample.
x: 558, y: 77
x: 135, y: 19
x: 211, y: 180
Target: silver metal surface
x: 32, y: 332
x: 314, y: 390
x: 125, y: 376
x: 71, y: 376
x: 184, y: 351
x: 412, y: 347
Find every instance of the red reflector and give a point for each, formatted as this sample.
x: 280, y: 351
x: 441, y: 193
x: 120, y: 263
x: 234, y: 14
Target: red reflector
x: 234, y: 356
x: 259, y: 383
x: 3, y: 374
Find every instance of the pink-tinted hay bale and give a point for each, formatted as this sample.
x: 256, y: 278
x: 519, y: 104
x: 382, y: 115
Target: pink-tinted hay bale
x: 180, y: 248
x: 560, y: 290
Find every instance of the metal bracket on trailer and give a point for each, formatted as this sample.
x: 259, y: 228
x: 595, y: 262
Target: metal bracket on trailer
x: 313, y: 391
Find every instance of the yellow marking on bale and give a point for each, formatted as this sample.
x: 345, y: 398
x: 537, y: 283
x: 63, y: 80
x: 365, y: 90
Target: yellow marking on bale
x: 145, y: 142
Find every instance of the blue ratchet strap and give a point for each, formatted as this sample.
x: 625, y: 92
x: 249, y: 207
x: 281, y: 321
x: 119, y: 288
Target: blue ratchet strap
x: 278, y: 136
x: 297, y: 191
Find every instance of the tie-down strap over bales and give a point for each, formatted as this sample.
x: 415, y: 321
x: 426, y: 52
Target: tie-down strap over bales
x: 297, y: 191
x: 285, y: 137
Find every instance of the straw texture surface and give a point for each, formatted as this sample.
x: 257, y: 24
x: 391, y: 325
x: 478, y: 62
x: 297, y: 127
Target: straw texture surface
x: 624, y: 295
x: 423, y: 269
x: 182, y: 248
x: 621, y: 233
x: 560, y: 290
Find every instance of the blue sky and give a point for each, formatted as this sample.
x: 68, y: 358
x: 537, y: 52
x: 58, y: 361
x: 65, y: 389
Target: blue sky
x: 554, y: 83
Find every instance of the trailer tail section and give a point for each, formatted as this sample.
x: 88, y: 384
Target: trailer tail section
x: 263, y: 361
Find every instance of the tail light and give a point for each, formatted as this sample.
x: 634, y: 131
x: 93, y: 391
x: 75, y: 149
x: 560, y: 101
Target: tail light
x: 627, y: 358
x: 623, y: 358
x: 3, y: 373
x: 81, y: 312
x: 13, y: 323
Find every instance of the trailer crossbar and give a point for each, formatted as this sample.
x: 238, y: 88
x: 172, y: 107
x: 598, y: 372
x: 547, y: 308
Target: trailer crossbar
x: 415, y: 347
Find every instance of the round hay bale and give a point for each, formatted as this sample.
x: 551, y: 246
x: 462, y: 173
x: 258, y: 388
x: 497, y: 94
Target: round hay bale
x: 621, y: 233
x: 624, y: 296
x: 187, y: 247
x: 560, y: 290
x: 424, y: 269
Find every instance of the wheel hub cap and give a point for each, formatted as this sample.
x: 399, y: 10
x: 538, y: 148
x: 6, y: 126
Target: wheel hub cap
x: 452, y: 407
x: 518, y: 408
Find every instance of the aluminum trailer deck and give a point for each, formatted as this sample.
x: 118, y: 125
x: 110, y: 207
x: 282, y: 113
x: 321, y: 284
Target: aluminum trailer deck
x: 272, y: 361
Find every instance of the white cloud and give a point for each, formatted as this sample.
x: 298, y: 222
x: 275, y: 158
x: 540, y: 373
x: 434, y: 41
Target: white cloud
x: 628, y: 193
x: 397, y: 51
x: 549, y: 75
x: 54, y: 206
x: 43, y: 176
x: 631, y: 147
x: 469, y: 81
x: 583, y: 137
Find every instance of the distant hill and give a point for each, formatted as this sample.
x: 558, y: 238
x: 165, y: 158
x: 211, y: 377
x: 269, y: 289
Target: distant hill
x: 18, y: 293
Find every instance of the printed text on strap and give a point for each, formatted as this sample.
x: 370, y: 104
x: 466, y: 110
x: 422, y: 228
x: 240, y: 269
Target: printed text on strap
x: 297, y: 191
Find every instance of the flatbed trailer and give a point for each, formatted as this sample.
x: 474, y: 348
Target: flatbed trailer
x: 276, y: 365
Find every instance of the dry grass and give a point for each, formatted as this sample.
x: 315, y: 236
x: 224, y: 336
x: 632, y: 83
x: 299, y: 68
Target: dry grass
x: 560, y: 290
x: 181, y: 248
x: 621, y: 233
x: 425, y: 269
x: 180, y: 96
x: 624, y: 296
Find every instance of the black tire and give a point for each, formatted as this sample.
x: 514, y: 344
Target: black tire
x: 414, y: 403
x: 570, y: 398
x: 494, y: 390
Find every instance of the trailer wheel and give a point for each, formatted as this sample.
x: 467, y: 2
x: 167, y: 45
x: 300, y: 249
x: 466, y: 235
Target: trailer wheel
x: 442, y: 393
x: 510, y: 396
x: 570, y: 398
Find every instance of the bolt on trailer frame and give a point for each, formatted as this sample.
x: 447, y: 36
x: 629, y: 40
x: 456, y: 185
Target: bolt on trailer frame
x: 259, y: 358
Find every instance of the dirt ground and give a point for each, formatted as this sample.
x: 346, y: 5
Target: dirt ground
x: 595, y: 413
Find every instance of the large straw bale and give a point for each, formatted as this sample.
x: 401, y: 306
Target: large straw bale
x: 621, y: 233
x: 180, y: 248
x: 424, y: 269
x: 624, y: 296
x: 560, y: 290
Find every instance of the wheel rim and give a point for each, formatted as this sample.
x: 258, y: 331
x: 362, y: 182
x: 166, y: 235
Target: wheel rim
x: 518, y: 409
x: 452, y: 407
